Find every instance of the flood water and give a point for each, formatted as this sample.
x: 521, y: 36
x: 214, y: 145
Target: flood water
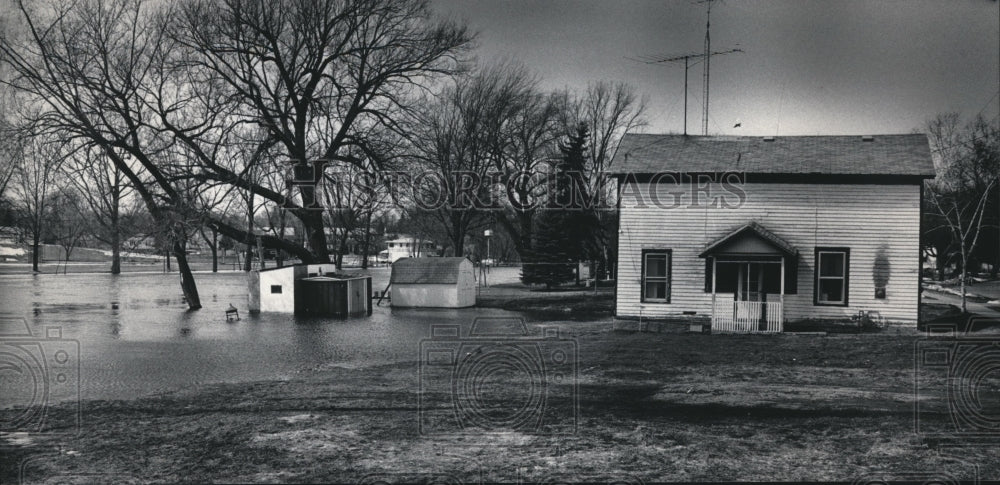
x: 136, y: 336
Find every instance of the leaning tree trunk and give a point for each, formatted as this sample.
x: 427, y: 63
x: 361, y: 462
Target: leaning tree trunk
x: 248, y: 260
x: 188, y: 286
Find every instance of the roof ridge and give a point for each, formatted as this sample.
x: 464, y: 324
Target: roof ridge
x: 897, y: 154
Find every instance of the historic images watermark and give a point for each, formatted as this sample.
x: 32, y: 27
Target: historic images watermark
x: 520, y: 191
x: 497, y: 379
x: 956, y: 382
x: 37, y: 371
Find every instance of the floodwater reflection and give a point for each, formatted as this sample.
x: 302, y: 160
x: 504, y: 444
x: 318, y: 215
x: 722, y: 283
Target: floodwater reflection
x: 136, y: 336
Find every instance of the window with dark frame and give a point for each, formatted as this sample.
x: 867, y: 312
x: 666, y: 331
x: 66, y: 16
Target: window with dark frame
x: 832, y: 276
x: 656, y: 276
x: 275, y: 289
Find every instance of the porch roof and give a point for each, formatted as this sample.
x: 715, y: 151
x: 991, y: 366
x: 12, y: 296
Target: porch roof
x: 754, y: 230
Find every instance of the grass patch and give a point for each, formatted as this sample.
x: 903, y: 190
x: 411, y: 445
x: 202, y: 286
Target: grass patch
x: 575, y: 305
x: 654, y: 407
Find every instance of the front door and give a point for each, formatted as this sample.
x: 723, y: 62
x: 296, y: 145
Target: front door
x: 751, y: 297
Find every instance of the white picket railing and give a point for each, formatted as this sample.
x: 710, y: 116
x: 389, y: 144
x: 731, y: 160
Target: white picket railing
x: 730, y: 316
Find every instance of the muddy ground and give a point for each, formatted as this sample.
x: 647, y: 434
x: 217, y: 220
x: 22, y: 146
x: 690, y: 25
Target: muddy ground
x: 650, y: 407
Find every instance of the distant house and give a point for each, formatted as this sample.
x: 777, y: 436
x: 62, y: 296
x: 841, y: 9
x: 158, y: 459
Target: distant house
x: 9, y: 236
x: 433, y: 282
x: 763, y: 230
x: 409, y: 247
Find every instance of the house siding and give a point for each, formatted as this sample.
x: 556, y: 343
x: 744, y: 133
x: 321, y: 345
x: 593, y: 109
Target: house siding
x: 861, y: 217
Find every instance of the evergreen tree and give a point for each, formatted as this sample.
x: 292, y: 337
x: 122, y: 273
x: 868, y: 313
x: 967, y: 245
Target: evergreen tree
x: 568, y: 225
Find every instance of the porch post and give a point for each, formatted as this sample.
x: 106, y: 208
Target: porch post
x: 781, y: 297
x: 714, y: 261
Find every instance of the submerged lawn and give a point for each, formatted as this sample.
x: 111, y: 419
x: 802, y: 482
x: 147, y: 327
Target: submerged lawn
x: 652, y: 407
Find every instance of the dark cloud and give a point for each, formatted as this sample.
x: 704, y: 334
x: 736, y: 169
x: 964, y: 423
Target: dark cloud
x: 810, y: 66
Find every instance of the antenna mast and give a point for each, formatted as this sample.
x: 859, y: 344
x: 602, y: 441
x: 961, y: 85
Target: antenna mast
x: 708, y: 60
x: 687, y: 64
x: 687, y: 58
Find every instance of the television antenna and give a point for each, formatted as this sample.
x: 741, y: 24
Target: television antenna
x: 687, y: 58
x: 703, y: 56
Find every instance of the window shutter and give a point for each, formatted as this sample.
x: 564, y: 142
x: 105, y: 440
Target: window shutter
x: 792, y: 275
x: 708, y: 274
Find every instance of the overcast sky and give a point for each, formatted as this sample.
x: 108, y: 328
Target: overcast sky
x: 809, y: 67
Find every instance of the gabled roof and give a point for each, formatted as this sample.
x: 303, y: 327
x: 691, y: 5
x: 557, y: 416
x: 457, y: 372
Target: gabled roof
x: 907, y: 155
x: 432, y: 271
x: 755, y: 229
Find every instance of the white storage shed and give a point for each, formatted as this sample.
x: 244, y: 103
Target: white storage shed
x: 433, y: 282
x: 312, y: 289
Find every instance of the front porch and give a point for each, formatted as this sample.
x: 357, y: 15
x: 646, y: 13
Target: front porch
x: 747, y: 270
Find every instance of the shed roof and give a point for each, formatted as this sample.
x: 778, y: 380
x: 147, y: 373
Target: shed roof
x: 907, y: 155
x: 286, y: 267
x: 432, y: 271
x: 336, y: 277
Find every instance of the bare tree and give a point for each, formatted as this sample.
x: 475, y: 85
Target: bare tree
x: 316, y: 76
x: 139, y: 79
x: 8, y: 156
x: 962, y: 213
x: 69, y: 223
x: 85, y: 65
x: 608, y: 110
x: 37, y: 168
x: 461, y: 140
x: 532, y: 141
x: 106, y: 193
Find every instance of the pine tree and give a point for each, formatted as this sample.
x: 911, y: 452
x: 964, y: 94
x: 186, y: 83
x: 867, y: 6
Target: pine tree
x: 567, y: 228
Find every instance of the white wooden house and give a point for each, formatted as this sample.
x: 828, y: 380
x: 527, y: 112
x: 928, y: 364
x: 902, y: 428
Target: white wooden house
x: 409, y: 247
x: 751, y: 232
x: 433, y: 282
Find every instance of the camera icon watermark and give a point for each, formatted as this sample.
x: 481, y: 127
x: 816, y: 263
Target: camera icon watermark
x: 497, y: 379
x: 36, y: 372
x: 957, y: 384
